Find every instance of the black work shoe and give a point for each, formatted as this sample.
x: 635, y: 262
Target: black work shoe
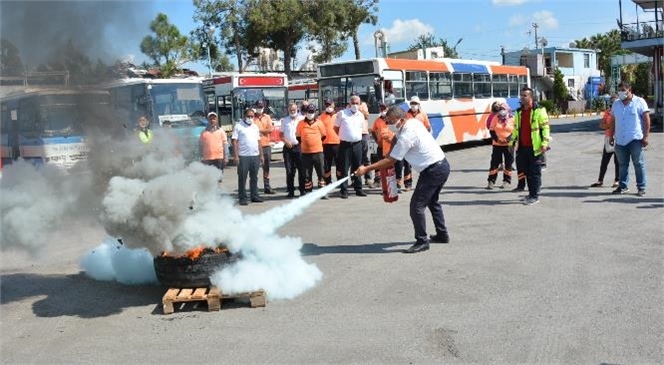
x: 344, y: 195
x: 519, y: 188
x: 290, y: 195
x: 418, y: 247
x: 257, y: 200
x: 270, y: 192
x: 440, y: 238
x: 620, y: 190
x: 360, y: 193
x: 244, y: 202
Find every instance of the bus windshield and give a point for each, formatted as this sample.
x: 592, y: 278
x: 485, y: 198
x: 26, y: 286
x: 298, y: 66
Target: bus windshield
x: 60, y: 120
x: 273, y: 98
x: 340, y: 89
x: 182, y: 104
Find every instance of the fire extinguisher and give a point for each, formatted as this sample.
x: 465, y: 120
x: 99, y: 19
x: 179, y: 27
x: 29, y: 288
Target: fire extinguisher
x: 388, y: 182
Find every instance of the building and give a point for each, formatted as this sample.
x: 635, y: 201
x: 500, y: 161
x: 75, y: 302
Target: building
x: 578, y: 66
x: 645, y: 38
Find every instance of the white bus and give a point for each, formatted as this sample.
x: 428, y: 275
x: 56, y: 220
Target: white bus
x: 180, y: 102
x: 229, y: 95
x: 456, y: 94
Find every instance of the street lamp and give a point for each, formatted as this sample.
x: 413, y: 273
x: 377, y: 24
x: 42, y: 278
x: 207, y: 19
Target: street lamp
x: 455, y: 46
x: 210, y: 34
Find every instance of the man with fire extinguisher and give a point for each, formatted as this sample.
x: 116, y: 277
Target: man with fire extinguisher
x: 417, y: 146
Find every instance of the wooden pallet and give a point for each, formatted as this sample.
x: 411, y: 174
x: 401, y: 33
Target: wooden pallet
x: 212, y: 295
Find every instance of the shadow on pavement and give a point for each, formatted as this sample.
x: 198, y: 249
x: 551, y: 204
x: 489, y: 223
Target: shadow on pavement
x: 311, y: 249
x: 639, y: 202
x: 75, y: 295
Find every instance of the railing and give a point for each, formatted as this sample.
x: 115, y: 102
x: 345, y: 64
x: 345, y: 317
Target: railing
x: 642, y: 30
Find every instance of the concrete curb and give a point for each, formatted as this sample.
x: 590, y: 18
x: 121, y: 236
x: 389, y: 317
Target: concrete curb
x: 585, y: 114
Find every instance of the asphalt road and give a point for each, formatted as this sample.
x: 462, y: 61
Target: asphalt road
x: 575, y: 279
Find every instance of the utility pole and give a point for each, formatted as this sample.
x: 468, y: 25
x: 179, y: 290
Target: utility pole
x: 535, y: 26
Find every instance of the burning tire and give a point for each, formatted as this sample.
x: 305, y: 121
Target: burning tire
x: 185, y: 272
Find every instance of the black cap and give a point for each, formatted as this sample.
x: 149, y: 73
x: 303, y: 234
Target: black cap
x: 329, y: 102
x: 259, y: 104
x: 311, y: 108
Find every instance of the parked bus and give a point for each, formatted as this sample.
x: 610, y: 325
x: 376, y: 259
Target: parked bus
x: 46, y: 126
x: 180, y: 102
x: 229, y: 95
x: 303, y: 89
x: 456, y: 94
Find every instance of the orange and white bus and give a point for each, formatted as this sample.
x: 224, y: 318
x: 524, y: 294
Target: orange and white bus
x: 230, y: 94
x: 456, y: 94
x: 303, y: 89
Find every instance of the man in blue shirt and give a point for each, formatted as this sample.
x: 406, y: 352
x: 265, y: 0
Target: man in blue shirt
x: 629, y: 134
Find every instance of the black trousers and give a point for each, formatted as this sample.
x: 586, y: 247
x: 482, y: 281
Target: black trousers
x: 365, y: 155
x: 532, y: 166
x: 248, y: 166
x: 501, y: 154
x: 350, y: 154
x: 311, y: 161
x: 606, y: 157
x: 267, y: 157
x: 293, y: 165
x: 330, y: 158
x: 431, y: 181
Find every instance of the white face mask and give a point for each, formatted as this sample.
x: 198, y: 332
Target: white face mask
x: 311, y: 116
x: 502, y: 113
x: 249, y: 120
x: 353, y: 108
x: 259, y: 110
x: 329, y: 109
x: 293, y: 114
x: 622, y: 95
x: 415, y: 107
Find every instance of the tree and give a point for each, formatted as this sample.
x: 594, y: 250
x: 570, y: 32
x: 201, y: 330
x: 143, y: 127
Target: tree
x: 428, y: 40
x: 10, y: 59
x: 560, y: 92
x: 276, y: 24
x: 168, y: 49
x: 359, y: 12
x: 229, y: 17
x: 325, y: 21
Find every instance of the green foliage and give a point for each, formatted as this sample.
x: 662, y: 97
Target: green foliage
x: 550, y: 107
x: 642, y: 82
x: 167, y: 45
x: 608, y: 45
x: 598, y: 104
x: 428, y: 40
x: 560, y: 92
x: 325, y: 21
x: 359, y: 12
x: 10, y: 59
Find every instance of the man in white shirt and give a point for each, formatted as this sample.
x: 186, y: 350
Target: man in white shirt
x: 291, y: 152
x: 248, y: 156
x: 349, y: 125
x: 416, y: 145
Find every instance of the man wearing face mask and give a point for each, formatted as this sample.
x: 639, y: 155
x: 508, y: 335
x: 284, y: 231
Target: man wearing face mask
x: 331, y: 142
x: 248, y: 157
x: 500, y: 128
x: 291, y: 152
x: 311, y: 134
x: 264, y: 123
x: 629, y: 135
x: 531, y: 136
x: 415, y: 144
x: 348, y: 125
x: 416, y: 113
x: 383, y: 136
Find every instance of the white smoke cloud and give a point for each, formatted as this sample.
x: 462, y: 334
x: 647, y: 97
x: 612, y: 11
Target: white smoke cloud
x: 112, y: 261
x: 33, y: 201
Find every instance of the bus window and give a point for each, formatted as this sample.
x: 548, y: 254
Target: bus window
x: 500, y: 86
x: 513, y: 81
x: 482, y: 85
x: 440, y: 84
x: 463, y: 85
x: 340, y: 89
x: 416, y: 85
x: 224, y: 110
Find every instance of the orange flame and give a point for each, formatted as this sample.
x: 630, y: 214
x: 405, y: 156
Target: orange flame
x: 195, y: 253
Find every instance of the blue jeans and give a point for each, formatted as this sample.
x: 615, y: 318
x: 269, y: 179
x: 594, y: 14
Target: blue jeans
x: 633, y: 150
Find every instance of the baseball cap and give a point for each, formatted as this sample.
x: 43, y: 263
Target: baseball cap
x: 415, y: 100
x: 211, y: 113
x: 329, y: 102
x: 311, y: 108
